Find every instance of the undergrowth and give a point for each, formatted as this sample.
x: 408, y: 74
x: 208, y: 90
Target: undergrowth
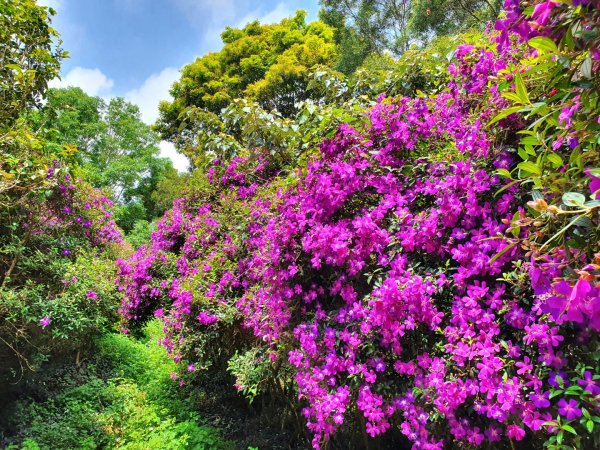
x: 133, y: 407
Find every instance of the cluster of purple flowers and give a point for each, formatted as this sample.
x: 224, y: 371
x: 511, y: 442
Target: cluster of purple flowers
x: 75, y: 212
x: 376, y: 274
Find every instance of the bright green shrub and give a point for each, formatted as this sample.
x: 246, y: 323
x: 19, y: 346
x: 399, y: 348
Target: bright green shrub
x: 137, y: 408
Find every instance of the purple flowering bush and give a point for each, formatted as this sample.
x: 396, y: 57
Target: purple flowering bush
x: 56, y: 235
x: 413, y: 277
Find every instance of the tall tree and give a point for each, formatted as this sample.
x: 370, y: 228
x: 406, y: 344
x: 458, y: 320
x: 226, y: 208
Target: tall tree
x: 30, y: 56
x: 394, y: 25
x: 382, y: 23
x: 115, y: 149
x: 431, y: 18
x: 267, y: 63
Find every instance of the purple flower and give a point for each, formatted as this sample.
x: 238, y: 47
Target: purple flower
x: 541, y: 12
x: 540, y: 400
x: 569, y: 409
x: 594, y: 183
x: 515, y: 432
x: 206, y: 318
x: 91, y: 295
x: 45, y: 321
x: 556, y: 378
x: 66, y: 252
x: 588, y: 383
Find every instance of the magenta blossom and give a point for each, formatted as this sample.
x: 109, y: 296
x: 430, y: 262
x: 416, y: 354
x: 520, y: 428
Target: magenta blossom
x: 515, y: 432
x: 588, y: 383
x: 594, y: 182
x: 569, y: 409
x: 207, y: 319
x: 45, y: 321
x: 542, y: 11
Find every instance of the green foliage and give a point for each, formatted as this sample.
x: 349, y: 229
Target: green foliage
x: 115, y: 150
x: 266, y: 63
x: 86, y: 306
x: 129, y: 214
x: 444, y: 17
x: 137, y: 408
x: 140, y: 234
x: 352, y: 47
x: 556, y: 92
x: 28, y: 57
x: 382, y: 25
x: 255, y: 374
x: 367, y: 27
x: 171, y: 187
x: 418, y: 70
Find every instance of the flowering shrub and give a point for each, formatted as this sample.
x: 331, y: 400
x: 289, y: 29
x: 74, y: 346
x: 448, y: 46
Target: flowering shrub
x: 557, y: 92
x: 396, y: 275
x: 56, y: 236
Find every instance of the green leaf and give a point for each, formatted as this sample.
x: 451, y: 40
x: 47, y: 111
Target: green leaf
x: 543, y: 44
x: 570, y: 429
x: 505, y: 173
x: 530, y: 167
x: 523, y: 154
x: 555, y: 393
x: 505, y: 113
x: 590, y: 426
x: 503, y: 188
x: 502, y: 252
x: 512, y: 96
x: 530, y: 140
x: 521, y: 89
x: 555, y: 160
x: 573, y: 199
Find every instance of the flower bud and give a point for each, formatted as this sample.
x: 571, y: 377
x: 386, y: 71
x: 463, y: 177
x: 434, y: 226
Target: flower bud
x: 539, y: 205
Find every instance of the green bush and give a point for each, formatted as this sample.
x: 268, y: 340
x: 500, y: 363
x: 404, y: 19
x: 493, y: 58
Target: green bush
x: 136, y: 408
x: 140, y: 234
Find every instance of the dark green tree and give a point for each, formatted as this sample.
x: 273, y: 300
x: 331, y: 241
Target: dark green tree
x: 382, y: 24
x: 353, y: 48
x: 430, y: 18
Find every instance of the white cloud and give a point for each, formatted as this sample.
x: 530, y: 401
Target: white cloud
x: 280, y: 12
x: 91, y: 81
x: 154, y: 89
x: 180, y: 162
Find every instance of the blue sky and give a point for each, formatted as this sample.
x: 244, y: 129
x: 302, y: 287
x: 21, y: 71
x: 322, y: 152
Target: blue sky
x: 135, y: 48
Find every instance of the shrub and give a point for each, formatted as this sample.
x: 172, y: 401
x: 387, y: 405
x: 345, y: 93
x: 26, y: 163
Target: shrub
x: 393, y: 273
x: 137, y: 407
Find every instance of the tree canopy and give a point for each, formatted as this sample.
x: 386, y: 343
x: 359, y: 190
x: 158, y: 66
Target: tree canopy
x: 28, y: 57
x: 114, y: 148
x: 266, y: 63
x: 366, y: 26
